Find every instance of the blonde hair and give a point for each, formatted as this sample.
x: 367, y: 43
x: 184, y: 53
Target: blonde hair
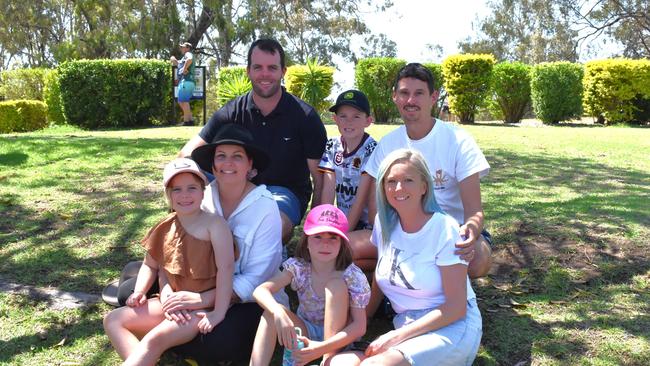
x: 387, y: 215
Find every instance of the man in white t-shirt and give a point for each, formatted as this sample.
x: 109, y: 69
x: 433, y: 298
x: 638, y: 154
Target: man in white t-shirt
x: 454, y: 159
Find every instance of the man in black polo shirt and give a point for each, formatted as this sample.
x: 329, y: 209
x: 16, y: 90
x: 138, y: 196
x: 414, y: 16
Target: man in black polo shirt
x: 289, y: 129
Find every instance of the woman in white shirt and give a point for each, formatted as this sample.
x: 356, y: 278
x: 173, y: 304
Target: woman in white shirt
x: 437, y: 321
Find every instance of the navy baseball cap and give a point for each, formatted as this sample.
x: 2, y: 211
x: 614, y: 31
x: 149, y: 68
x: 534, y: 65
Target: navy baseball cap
x: 353, y: 98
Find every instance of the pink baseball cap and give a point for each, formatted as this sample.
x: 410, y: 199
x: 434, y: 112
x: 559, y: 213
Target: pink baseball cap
x: 182, y: 165
x: 326, y: 219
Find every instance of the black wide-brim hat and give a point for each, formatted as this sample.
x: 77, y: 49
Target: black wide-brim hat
x: 231, y: 134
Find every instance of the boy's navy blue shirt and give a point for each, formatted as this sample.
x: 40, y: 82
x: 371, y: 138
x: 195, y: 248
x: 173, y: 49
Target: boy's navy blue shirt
x: 292, y: 133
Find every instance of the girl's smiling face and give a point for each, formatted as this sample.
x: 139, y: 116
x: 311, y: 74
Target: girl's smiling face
x: 324, y: 247
x: 185, y: 193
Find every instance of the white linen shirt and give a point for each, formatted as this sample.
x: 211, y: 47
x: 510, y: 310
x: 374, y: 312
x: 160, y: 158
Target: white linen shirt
x: 257, y: 229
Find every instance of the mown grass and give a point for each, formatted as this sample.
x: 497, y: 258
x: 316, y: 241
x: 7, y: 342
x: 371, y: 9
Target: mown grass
x: 568, y: 208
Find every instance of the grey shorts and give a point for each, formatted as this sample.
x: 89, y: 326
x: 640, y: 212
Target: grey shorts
x: 455, y: 344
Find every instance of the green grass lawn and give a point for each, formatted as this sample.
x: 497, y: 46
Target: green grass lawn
x: 569, y: 209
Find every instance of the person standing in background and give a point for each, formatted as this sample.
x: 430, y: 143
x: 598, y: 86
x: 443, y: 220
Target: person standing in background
x: 185, y: 73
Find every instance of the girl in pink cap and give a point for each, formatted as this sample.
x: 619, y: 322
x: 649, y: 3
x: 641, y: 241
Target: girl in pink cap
x: 332, y: 291
x: 189, y: 250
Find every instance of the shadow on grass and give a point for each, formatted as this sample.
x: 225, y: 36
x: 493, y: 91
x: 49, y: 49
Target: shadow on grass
x: 539, y: 237
x: 15, y: 158
x: 78, y: 246
x: 578, y: 308
x: 59, y: 332
x: 569, y: 250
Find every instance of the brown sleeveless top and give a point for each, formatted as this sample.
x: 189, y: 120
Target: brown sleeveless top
x: 187, y: 261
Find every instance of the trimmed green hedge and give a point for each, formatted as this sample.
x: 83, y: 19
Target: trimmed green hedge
x: 22, y: 116
x: 375, y: 77
x: 26, y: 84
x: 438, y: 83
x: 115, y: 93
x: 556, y: 91
x: 312, y: 83
x: 52, y: 97
x: 511, y: 90
x: 467, y: 80
x: 617, y: 90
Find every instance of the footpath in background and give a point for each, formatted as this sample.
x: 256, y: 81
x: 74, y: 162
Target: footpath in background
x: 55, y: 298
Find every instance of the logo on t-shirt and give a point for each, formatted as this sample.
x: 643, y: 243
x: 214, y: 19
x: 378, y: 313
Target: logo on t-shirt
x: 329, y: 145
x: 370, y: 148
x: 356, y: 162
x: 346, y: 190
x: 439, y: 179
x: 338, y: 158
x: 396, y: 277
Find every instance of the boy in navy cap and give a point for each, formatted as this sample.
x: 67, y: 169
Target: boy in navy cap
x: 344, y: 178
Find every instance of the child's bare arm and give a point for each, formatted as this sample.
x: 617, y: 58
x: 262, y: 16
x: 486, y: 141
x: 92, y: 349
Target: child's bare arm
x: 329, y: 347
x: 360, y: 202
x: 329, y: 187
x: 144, y: 280
x: 224, y: 257
x: 263, y: 294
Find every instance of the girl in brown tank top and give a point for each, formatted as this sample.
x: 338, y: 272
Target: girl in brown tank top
x: 189, y: 250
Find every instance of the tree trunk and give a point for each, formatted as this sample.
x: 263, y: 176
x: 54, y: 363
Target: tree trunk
x: 205, y: 21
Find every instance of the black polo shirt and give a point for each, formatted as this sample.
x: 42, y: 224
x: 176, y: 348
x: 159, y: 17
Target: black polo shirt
x: 292, y: 133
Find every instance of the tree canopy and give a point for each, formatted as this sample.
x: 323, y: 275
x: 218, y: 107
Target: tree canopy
x: 624, y: 21
x: 48, y: 32
x: 534, y: 31
x: 529, y: 31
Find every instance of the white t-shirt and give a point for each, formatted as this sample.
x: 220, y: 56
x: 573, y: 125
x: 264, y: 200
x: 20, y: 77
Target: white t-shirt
x: 348, y: 169
x: 451, y: 155
x: 407, y: 268
x: 181, y: 65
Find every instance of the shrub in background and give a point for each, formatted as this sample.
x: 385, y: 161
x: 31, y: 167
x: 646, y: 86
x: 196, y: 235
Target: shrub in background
x: 312, y: 83
x: 642, y: 109
x: 231, y: 83
x: 438, y: 82
x: 617, y: 90
x: 375, y: 77
x: 556, y: 91
x: 510, y: 90
x: 115, y: 93
x: 52, y: 97
x: 22, y: 84
x: 467, y: 80
x: 22, y: 116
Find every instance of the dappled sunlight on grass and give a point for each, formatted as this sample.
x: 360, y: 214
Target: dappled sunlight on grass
x: 567, y: 207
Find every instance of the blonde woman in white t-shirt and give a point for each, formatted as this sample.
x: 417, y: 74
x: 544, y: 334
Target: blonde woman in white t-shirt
x: 437, y: 321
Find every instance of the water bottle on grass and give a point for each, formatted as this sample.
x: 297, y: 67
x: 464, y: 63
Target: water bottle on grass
x: 287, y: 357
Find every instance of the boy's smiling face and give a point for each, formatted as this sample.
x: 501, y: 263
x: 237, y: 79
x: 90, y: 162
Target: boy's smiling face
x: 351, y: 122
